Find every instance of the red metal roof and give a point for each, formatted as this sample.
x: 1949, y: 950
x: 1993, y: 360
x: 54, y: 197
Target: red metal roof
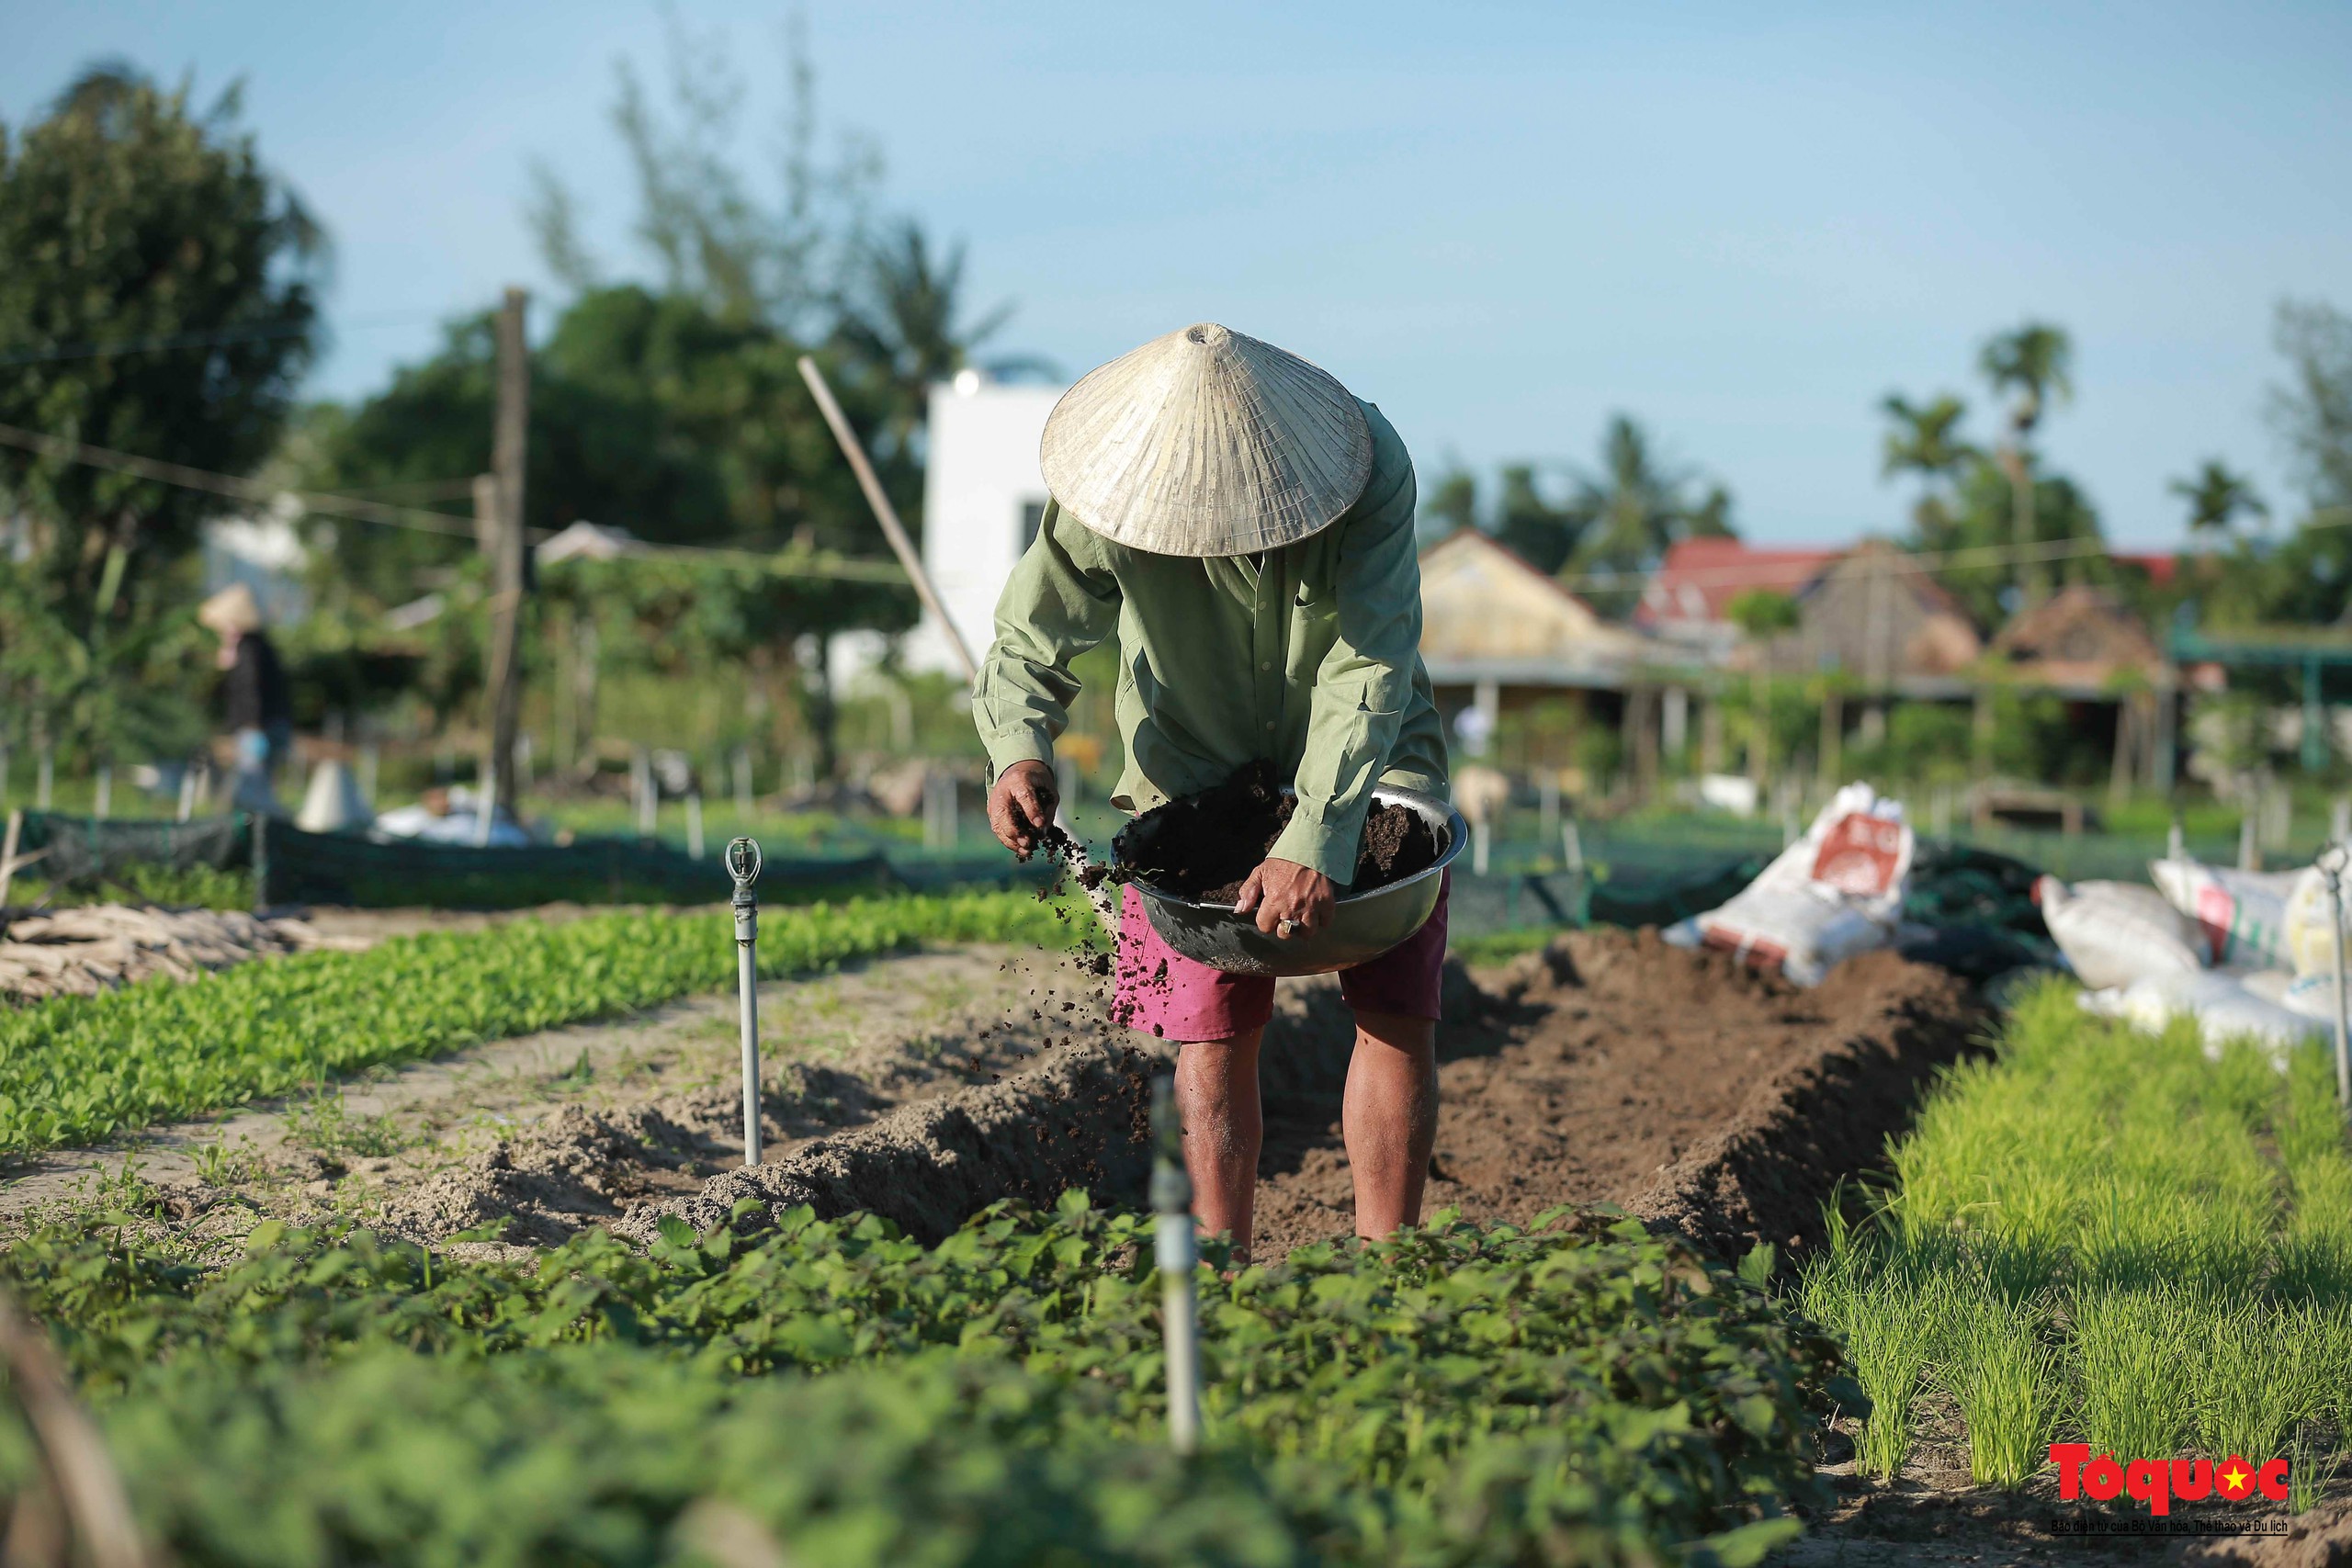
x: 2159, y: 565
x: 1700, y: 577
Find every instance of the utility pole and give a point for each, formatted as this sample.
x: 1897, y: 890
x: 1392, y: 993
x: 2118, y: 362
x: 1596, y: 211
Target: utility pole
x: 503, y: 542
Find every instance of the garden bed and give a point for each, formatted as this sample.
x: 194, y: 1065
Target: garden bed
x: 2106, y: 1237
x: 1729, y: 1116
x: 1551, y: 1390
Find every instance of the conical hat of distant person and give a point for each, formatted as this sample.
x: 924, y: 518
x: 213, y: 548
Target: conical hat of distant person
x: 1207, y: 443
x: 233, y: 609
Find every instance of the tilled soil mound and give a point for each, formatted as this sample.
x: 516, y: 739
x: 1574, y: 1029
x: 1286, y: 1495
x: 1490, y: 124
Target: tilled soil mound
x: 1610, y: 1068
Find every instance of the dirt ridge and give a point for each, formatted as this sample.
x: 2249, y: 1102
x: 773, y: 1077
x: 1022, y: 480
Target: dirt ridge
x: 1829, y: 1075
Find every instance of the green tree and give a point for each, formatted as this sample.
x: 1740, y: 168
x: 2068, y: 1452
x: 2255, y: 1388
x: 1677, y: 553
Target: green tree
x: 1761, y: 614
x: 1450, y: 504
x: 156, y: 289
x: 2311, y: 411
x: 2217, y: 498
x: 1978, y: 527
x: 902, y: 318
x: 1923, y: 441
x: 1542, y: 532
x: 2033, y: 365
x: 778, y: 255
x: 1632, y: 510
x: 2305, y: 578
x: 650, y: 413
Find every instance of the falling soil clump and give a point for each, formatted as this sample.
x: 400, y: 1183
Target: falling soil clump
x: 1204, y: 846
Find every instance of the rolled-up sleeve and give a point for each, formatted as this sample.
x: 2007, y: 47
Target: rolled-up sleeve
x: 1363, y: 685
x: 1060, y: 601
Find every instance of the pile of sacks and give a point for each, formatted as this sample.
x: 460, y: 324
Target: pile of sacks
x: 2246, y: 954
x: 1836, y: 892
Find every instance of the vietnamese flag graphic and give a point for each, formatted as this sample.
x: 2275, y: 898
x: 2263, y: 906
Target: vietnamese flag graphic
x: 2234, y: 1479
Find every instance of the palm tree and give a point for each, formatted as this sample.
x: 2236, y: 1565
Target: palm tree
x: 2033, y: 364
x: 1624, y: 518
x: 905, y: 318
x: 1761, y: 614
x: 1924, y: 439
x: 2217, y: 498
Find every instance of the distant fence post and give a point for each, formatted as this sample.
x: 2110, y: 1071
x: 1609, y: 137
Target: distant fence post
x: 262, y: 891
x: 16, y: 830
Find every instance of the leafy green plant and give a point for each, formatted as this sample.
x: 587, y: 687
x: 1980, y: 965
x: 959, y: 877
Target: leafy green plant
x: 324, y: 1123
x: 1579, y: 1391
x: 78, y: 1070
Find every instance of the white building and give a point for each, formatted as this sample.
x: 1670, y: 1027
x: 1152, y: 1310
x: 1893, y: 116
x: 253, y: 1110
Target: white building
x: 265, y: 553
x: 982, y: 498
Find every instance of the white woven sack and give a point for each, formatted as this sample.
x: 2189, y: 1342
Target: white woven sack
x: 2241, y: 915
x: 1833, y: 894
x: 2115, y: 932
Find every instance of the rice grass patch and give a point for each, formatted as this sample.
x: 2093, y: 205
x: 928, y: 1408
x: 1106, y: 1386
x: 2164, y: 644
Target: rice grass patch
x: 1995, y: 1357
x: 2103, y: 1233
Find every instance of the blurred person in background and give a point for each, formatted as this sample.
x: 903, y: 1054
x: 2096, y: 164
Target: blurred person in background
x: 259, y: 711
x: 1243, y: 525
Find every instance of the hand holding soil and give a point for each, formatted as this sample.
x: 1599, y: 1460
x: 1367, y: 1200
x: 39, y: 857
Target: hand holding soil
x: 1290, y: 899
x: 1022, y: 806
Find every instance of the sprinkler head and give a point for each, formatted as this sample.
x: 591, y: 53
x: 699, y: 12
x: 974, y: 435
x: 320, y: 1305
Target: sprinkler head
x: 742, y: 861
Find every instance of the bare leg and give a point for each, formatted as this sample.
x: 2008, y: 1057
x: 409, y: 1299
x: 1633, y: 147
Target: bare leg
x: 1216, y: 1089
x: 1390, y: 1118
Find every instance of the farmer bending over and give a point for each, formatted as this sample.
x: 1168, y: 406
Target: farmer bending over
x: 1245, y: 526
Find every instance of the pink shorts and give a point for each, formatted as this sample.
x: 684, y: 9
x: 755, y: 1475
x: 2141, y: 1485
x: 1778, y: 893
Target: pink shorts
x: 1161, y: 992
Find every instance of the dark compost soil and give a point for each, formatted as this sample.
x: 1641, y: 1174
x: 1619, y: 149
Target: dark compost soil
x: 1610, y: 1068
x: 1204, y: 846
x: 1614, y: 1069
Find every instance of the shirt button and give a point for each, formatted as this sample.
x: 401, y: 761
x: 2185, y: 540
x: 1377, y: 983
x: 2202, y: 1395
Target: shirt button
x: 1265, y: 664
x: 1270, y: 724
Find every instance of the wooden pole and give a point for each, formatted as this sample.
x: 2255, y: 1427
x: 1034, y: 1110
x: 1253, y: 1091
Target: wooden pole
x: 8, y: 854
x: 504, y: 495
x: 76, y: 1463
x: 886, y: 515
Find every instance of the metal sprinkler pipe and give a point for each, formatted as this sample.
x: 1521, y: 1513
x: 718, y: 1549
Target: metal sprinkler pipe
x: 1171, y: 1199
x: 2332, y: 862
x: 743, y: 866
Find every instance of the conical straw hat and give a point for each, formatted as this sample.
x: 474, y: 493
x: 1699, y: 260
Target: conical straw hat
x: 233, y: 609
x: 1207, y: 443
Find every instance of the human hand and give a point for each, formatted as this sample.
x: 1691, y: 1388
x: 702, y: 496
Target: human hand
x: 1021, y: 806
x: 1290, y: 899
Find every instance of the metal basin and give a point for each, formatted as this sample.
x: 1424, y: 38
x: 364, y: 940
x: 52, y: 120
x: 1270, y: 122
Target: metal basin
x: 1362, y: 925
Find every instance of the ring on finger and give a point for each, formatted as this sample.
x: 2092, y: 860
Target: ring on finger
x: 1285, y: 928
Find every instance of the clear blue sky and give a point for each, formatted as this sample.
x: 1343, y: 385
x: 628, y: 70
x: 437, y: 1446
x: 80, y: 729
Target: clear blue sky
x: 1743, y: 223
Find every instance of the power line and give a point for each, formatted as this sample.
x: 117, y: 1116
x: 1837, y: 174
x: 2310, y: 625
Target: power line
x: 365, y: 511
x: 261, y: 333
x: 186, y: 478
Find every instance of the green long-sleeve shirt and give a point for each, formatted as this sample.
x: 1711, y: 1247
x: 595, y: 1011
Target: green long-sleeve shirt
x: 1310, y: 656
